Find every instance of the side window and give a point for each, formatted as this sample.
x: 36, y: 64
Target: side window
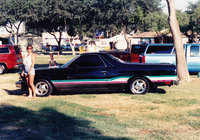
x: 108, y: 64
x: 88, y: 61
x: 159, y: 50
x: 174, y: 51
x: 138, y: 49
x: 4, y: 50
x: 194, y: 50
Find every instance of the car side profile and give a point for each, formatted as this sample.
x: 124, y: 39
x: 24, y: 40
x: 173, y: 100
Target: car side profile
x: 10, y: 57
x: 102, y: 72
x: 165, y: 53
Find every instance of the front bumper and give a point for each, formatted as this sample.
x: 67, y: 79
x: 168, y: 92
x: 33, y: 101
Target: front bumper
x: 18, y: 66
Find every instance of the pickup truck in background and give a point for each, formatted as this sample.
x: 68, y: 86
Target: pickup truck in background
x: 133, y: 55
x: 164, y: 53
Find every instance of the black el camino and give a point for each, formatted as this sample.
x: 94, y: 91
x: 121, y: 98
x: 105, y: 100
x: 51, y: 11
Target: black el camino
x: 101, y: 72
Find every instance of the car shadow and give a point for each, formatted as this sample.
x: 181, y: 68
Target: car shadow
x: 20, y: 123
x: 87, y: 92
x: 155, y: 91
x: 16, y: 92
x: 158, y: 91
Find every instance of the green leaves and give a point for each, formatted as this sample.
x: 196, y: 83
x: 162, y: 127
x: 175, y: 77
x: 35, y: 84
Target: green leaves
x: 82, y: 17
x: 156, y: 21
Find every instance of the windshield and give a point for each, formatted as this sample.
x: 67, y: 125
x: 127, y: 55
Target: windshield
x: 69, y: 62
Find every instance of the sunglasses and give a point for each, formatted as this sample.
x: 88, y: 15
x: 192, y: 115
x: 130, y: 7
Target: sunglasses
x: 29, y: 48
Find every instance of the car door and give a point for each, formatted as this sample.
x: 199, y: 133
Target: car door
x: 88, y: 72
x: 193, y: 58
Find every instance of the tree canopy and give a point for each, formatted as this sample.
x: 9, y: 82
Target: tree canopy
x: 84, y: 17
x: 12, y: 12
x: 194, y: 20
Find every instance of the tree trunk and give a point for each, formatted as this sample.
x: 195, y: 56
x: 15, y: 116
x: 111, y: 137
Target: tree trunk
x: 126, y: 38
x: 16, y: 38
x: 72, y: 45
x: 181, y: 64
x: 58, y: 40
x: 160, y: 37
x: 11, y: 39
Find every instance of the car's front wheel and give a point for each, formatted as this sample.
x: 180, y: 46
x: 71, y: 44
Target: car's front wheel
x: 139, y: 86
x: 2, y: 68
x: 43, y: 88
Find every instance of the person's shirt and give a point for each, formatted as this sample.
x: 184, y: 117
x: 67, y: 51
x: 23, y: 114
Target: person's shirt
x: 27, y: 60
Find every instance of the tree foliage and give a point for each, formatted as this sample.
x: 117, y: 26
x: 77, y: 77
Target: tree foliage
x: 142, y: 10
x: 194, y: 20
x: 124, y: 14
x: 183, y: 20
x: 12, y: 12
x: 156, y: 21
x: 84, y: 17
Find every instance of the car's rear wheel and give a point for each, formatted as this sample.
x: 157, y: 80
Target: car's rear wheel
x: 139, y: 86
x: 2, y: 68
x: 43, y: 88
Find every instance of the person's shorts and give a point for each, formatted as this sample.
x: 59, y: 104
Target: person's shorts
x: 26, y: 70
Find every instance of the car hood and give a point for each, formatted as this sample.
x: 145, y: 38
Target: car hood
x: 46, y: 68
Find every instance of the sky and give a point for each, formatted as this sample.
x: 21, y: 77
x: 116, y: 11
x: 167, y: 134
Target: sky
x: 179, y: 4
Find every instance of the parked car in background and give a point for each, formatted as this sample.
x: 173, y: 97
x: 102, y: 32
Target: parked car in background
x: 132, y: 55
x: 165, y: 53
x: 68, y: 47
x: 10, y: 57
x: 161, y: 53
x: 101, y: 72
x: 123, y: 55
x: 49, y: 48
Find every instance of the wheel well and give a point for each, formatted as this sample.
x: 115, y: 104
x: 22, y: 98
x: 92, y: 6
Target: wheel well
x: 45, y: 79
x: 48, y: 90
x: 4, y: 65
x: 150, y: 83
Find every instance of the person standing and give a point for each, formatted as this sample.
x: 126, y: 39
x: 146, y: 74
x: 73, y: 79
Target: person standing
x: 29, y: 70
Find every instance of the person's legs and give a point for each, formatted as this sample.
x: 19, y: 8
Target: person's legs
x: 31, y: 84
x: 29, y: 88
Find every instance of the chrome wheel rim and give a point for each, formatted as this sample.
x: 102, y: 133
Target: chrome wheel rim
x: 41, y: 88
x: 1, y: 69
x: 138, y: 86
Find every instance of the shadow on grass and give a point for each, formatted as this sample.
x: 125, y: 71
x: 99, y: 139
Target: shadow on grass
x: 20, y: 123
x: 16, y: 92
x: 158, y: 91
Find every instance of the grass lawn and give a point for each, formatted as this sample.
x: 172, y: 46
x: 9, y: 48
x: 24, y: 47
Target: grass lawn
x: 171, y: 113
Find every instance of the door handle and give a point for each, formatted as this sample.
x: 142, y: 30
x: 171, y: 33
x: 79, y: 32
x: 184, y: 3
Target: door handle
x: 104, y: 72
